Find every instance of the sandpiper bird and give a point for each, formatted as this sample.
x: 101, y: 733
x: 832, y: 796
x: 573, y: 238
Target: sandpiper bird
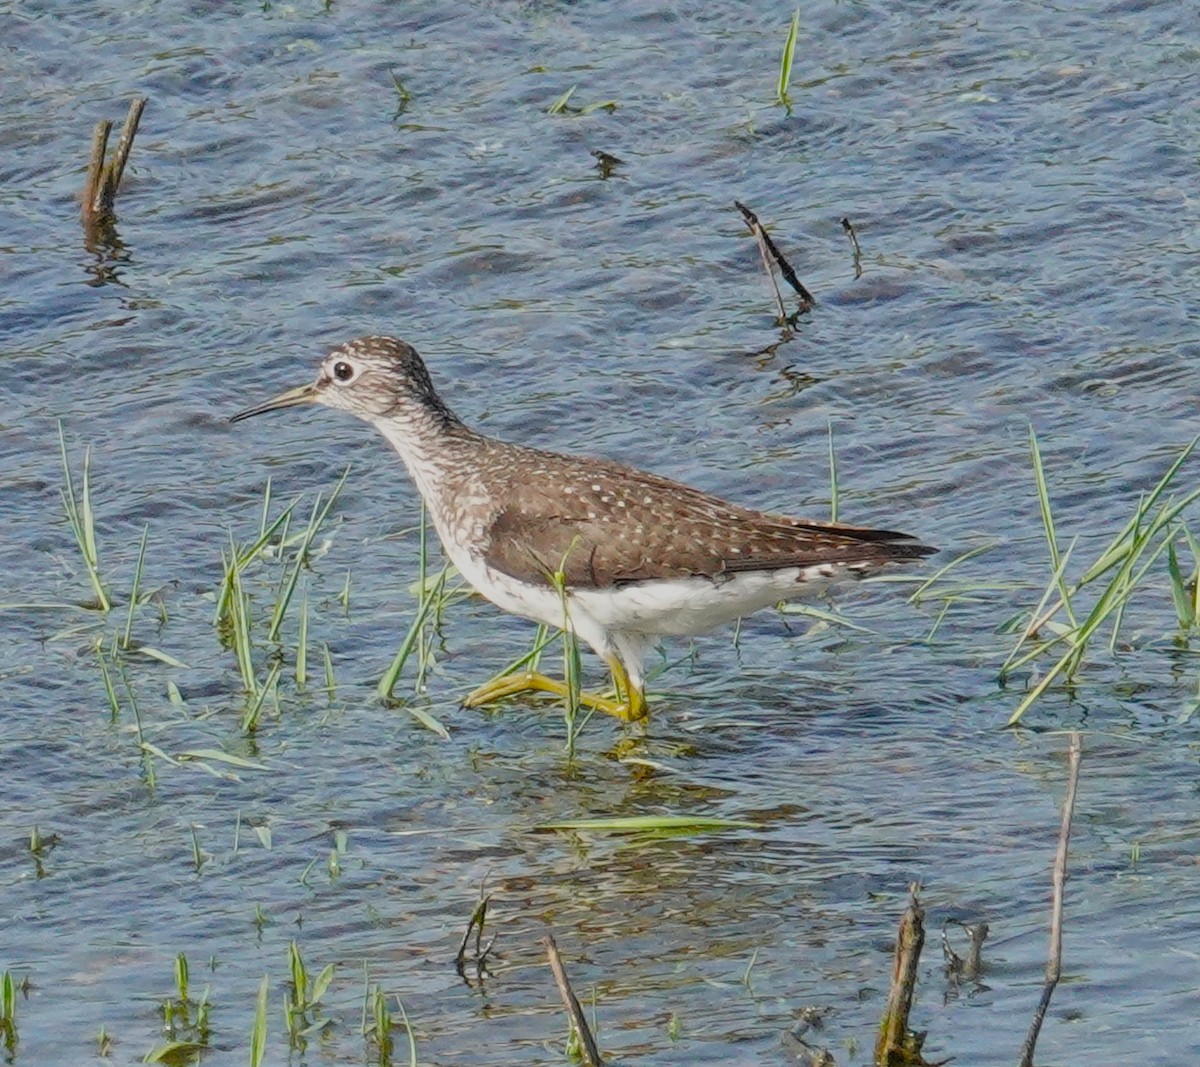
x: 620, y: 556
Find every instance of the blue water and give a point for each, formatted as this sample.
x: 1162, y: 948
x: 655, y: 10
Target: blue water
x: 1022, y: 181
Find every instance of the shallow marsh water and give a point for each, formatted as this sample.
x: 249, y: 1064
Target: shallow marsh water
x: 1023, y: 181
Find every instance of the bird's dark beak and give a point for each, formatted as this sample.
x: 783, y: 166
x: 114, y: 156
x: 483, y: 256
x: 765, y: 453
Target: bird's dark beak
x: 304, y: 394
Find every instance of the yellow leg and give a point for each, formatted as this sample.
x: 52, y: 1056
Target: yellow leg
x: 634, y: 706
x: 628, y: 710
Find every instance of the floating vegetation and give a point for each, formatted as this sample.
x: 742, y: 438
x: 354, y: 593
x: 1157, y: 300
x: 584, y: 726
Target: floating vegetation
x: 562, y: 106
x: 652, y: 825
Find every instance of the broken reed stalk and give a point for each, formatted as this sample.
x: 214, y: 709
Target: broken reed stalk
x: 104, y: 178
x: 1054, y: 962
x: 770, y: 253
x: 897, y: 1044
x: 590, y: 1054
x: 91, y: 185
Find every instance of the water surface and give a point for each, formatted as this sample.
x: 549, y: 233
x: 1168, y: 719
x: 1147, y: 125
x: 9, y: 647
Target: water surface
x: 1022, y: 180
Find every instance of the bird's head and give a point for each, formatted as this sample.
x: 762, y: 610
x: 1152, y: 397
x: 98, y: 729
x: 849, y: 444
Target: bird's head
x: 372, y: 377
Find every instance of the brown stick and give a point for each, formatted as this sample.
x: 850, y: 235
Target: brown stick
x: 91, y: 186
x: 897, y: 1044
x: 104, y: 179
x: 116, y: 169
x: 591, y: 1054
x: 1054, y: 962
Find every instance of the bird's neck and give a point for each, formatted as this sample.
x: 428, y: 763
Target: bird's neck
x: 432, y: 443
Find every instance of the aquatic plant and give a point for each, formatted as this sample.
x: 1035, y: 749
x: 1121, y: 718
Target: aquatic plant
x: 785, y: 62
x: 1124, y: 565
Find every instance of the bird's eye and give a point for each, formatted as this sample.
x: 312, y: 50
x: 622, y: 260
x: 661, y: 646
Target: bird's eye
x: 342, y: 371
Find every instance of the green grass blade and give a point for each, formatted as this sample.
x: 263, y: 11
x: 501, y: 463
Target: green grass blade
x: 928, y: 583
x: 1119, y: 544
x: 1043, y: 493
x: 412, y: 1038
x: 430, y: 723
x: 388, y: 682
x: 834, y: 494
x: 785, y: 62
x: 330, y: 681
x: 266, y: 507
x: 1039, y: 616
x: 254, y: 709
x: 135, y: 589
x: 560, y: 105
x: 302, y: 644
x: 258, y: 1032
x: 81, y: 519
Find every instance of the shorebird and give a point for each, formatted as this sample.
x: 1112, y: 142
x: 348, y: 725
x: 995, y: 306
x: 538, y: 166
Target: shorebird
x: 619, y: 556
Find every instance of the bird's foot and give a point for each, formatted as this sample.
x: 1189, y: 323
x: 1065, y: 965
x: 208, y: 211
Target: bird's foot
x: 533, y: 682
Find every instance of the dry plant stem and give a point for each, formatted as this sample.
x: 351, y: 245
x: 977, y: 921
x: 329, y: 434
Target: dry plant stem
x: 104, y: 179
x: 897, y: 1044
x: 807, y: 300
x: 116, y: 169
x: 91, y: 187
x: 1054, y: 963
x: 591, y: 1054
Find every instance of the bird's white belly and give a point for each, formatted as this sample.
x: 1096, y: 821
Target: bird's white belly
x: 687, y: 606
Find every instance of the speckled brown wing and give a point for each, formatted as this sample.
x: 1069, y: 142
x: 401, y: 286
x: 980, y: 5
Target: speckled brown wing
x: 604, y: 524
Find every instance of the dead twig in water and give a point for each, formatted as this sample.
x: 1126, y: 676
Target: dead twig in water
x: 104, y: 178
x: 475, y: 922
x: 969, y: 968
x: 897, y: 1044
x: 587, y: 1044
x: 848, y: 226
x: 769, y: 252
x: 1054, y: 962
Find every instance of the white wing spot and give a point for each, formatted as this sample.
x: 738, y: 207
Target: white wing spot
x: 596, y: 487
